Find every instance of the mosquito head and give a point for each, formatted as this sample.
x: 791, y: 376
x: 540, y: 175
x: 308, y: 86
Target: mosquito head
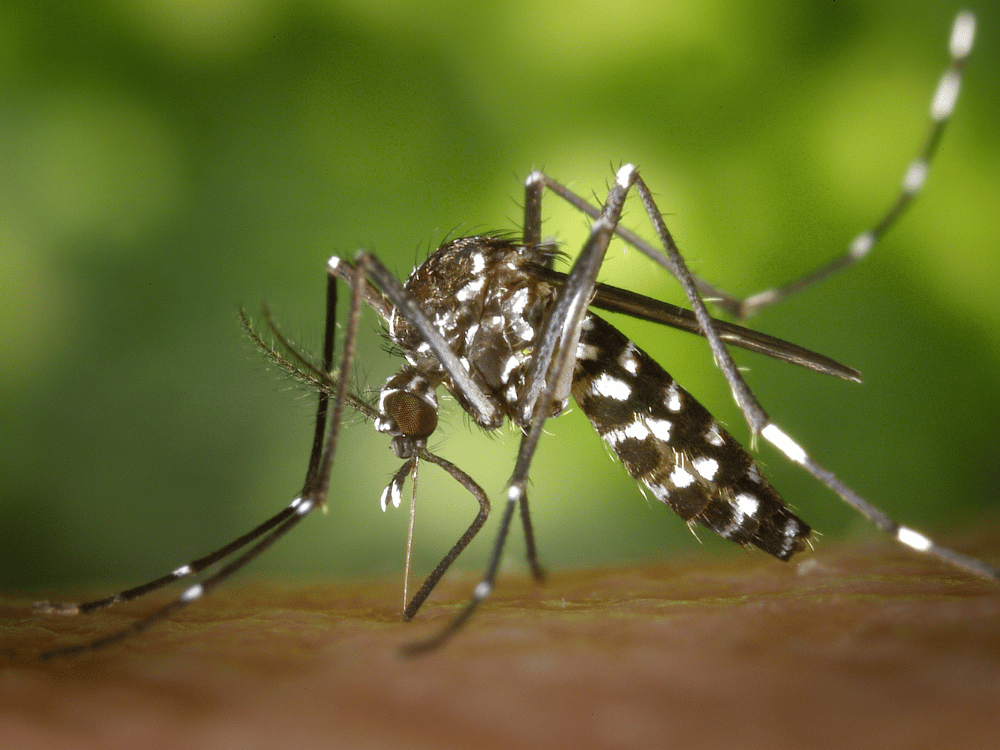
x: 409, y: 408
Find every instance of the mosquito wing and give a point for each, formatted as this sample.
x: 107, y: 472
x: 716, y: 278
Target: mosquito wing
x: 614, y: 299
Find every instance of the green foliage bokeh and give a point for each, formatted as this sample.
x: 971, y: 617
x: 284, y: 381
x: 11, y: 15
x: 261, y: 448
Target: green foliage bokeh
x: 168, y: 162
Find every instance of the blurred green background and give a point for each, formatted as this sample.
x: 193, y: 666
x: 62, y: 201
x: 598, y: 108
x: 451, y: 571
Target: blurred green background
x: 166, y: 162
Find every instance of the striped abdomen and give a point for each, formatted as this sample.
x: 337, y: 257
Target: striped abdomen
x: 670, y: 442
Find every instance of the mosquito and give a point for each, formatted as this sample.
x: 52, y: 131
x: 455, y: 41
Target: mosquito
x: 490, y: 320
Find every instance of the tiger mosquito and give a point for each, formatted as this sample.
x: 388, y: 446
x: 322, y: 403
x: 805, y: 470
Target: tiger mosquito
x: 510, y: 338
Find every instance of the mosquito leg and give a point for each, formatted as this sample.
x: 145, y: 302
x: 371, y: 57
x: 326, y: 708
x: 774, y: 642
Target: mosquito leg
x: 318, y: 477
x: 484, y: 511
x: 626, y: 234
x: 299, y: 509
x: 196, y: 566
x: 563, y: 329
x: 313, y: 494
x: 903, y: 534
x: 192, y: 568
x: 323, y: 403
x: 941, y: 109
x: 533, y: 189
x: 529, y: 540
x: 761, y: 424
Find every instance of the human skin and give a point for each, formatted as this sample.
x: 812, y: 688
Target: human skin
x: 860, y: 645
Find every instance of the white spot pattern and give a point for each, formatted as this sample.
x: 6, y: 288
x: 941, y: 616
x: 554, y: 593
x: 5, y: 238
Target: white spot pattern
x: 637, y: 430
x: 913, y: 539
x: 714, y: 436
x: 707, y: 467
x: 610, y: 387
x: 471, y: 289
x: 916, y: 175
x: 681, y: 478
x: 628, y: 359
x: 962, y: 35
x: 660, y: 428
x: 747, y: 504
x: 624, y: 176
x: 470, y: 334
x: 673, y: 397
x: 512, y: 364
x: 946, y: 95
x: 519, y: 300
x: 777, y: 437
x: 862, y: 245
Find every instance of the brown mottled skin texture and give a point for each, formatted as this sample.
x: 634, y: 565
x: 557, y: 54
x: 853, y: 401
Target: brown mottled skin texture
x: 851, y: 646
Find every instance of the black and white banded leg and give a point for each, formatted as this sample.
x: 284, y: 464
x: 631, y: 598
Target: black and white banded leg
x: 914, y: 177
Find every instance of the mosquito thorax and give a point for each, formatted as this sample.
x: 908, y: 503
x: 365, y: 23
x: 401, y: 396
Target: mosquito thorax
x: 482, y: 296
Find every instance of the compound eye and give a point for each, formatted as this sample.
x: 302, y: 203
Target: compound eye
x: 413, y: 415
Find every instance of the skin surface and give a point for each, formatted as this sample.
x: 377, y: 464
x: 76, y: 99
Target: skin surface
x: 858, y: 645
